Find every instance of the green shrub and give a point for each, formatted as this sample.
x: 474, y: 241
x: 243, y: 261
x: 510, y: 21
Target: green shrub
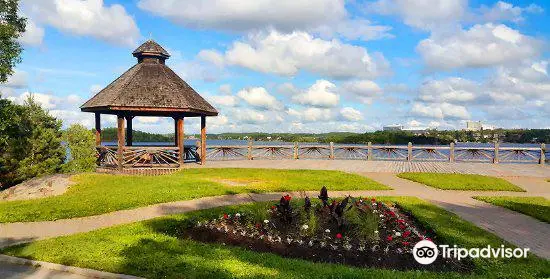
x: 81, y: 144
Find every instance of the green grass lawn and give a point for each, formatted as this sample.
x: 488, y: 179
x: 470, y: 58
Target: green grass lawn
x: 101, y: 193
x: 455, y: 181
x: 152, y: 249
x: 536, y: 207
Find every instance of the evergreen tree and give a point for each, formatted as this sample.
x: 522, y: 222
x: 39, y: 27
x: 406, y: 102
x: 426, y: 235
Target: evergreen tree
x: 42, y: 149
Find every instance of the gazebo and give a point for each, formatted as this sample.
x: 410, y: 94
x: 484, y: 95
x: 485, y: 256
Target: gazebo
x: 149, y: 88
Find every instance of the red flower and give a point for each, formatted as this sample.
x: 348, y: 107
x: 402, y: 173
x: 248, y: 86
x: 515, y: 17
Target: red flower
x: 406, y: 234
x: 225, y: 216
x: 400, y: 221
x: 258, y: 225
x: 389, y: 238
x: 428, y: 239
x: 373, y: 200
x: 406, y: 243
x: 338, y: 235
x: 273, y: 207
x: 287, y: 197
x: 401, y: 226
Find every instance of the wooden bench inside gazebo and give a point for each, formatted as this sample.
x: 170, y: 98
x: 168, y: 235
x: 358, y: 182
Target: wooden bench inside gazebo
x: 149, y: 88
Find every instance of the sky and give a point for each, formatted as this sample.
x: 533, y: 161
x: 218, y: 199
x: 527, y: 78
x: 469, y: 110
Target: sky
x: 300, y: 65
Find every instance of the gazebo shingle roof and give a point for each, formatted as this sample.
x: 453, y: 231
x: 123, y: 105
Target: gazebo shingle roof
x: 149, y: 86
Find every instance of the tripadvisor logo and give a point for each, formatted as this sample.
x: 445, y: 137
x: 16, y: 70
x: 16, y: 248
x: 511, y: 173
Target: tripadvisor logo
x: 426, y: 252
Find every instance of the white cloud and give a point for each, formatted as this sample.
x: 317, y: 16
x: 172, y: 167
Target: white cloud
x: 364, y: 90
x: 480, y: 46
x: 148, y: 120
x: 225, y: 89
x: 212, y: 56
x: 33, y: 34
x: 440, y: 111
x: 503, y: 11
x: 311, y: 114
x: 285, y: 15
x: 85, y: 18
x: 320, y: 94
x: 223, y: 100
x: 17, y: 80
x: 354, y: 29
x: 451, y: 90
x: 423, y: 14
x: 95, y: 88
x: 351, y: 114
x: 47, y: 101
x: 259, y: 97
x: 287, y: 54
x: 70, y: 117
x: 250, y: 116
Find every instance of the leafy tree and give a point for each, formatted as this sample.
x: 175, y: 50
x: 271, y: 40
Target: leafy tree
x: 81, y: 143
x: 11, y: 27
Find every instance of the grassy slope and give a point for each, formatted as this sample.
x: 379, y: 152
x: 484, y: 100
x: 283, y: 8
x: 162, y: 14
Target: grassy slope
x: 536, y: 207
x: 101, y: 193
x: 454, y: 181
x: 151, y: 249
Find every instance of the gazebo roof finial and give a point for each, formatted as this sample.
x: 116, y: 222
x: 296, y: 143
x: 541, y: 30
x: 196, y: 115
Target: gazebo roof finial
x: 150, y: 49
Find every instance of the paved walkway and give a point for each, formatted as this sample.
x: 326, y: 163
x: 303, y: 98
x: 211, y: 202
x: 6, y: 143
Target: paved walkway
x: 531, y: 170
x: 17, y: 271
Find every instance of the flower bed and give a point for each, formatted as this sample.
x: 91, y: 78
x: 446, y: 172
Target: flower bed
x: 352, y: 231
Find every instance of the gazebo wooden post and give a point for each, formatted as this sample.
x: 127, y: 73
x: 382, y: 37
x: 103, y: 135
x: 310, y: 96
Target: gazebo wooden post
x: 203, y: 139
x: 180, y: 137
x: 97, y: 129
x: 121, y: 139
x: 129, y: 133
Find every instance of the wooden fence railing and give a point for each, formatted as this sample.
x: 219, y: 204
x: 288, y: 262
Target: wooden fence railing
x: 495, y: 154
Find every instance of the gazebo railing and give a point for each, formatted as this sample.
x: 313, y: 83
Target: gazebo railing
x: 144, y: 156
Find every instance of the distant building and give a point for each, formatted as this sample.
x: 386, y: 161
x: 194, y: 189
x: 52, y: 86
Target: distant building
x: 395, y: 127
x: 474, y: 126
x: 478, y: 126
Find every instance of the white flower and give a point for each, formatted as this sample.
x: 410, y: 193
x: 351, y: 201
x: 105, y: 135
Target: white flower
x: 381, y: 215
x: 376, y: 232
x: 305, y: 227
x: 266, y: 221
x: 397, y: 234
x: 327, y: 231
x: 238, y: 214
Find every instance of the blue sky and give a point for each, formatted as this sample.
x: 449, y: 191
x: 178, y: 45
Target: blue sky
x: 301, y: 66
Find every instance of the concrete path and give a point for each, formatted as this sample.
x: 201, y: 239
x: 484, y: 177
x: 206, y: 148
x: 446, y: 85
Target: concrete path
x: 17, y: 268
x: 17, y: 271
x: 530, y: 170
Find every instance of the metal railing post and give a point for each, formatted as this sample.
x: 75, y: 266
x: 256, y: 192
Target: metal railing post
x: 542, y: 153
x: 369, y: 151
x: 409, y: 151
x: 249, y: 155
x: 295, y: 151
x: 452, y: 152
x: 495, y: 158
